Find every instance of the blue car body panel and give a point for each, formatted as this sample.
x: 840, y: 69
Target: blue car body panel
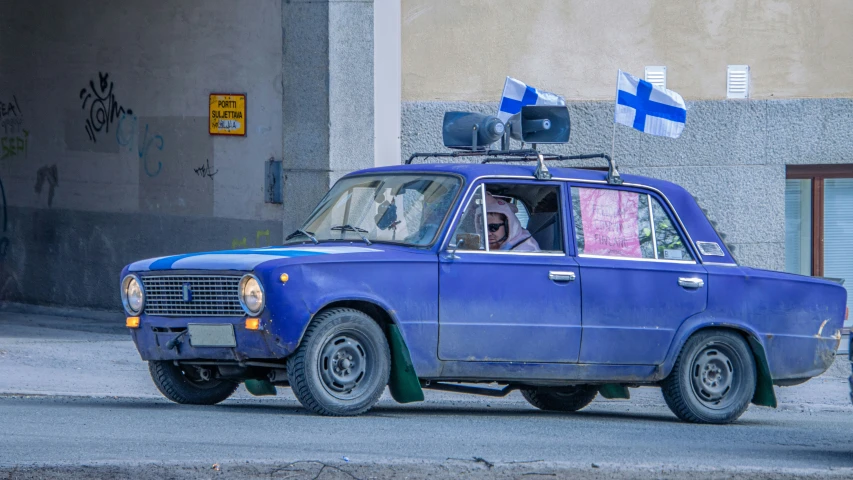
x: 498, y: 317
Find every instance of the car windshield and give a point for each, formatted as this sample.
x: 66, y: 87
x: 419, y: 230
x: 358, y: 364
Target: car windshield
x: 404, y: 209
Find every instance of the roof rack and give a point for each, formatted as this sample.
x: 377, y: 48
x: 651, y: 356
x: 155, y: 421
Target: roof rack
x: 528, y: 155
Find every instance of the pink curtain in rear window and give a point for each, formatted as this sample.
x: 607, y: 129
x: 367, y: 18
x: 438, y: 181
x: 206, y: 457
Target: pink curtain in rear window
x: 609, y: 220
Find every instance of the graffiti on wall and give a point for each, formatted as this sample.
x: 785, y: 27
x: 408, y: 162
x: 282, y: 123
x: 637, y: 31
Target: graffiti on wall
x: 104, y: 109
x: 205, y: 170
x: 126, y: 135
x: 14, y: 140
x: 262, y: 239
x: 49, y: 175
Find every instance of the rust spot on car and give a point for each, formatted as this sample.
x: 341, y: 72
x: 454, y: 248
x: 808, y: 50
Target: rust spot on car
x: 820, y: 330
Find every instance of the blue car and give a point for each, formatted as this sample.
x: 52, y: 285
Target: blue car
x: 561, y: 283
x: 397, y: 279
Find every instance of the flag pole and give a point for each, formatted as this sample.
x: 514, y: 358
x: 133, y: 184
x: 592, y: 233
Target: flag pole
x: 613, y: 142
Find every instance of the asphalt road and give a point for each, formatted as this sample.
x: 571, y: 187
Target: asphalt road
x: 79, y: 404
x: 446, y: 435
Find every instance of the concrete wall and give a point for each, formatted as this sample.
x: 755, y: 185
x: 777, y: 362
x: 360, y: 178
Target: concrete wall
x: 462, y: 50
x: 106, y: 156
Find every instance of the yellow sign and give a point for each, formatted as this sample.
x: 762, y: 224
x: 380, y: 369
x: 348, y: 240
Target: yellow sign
x: 227, y: 114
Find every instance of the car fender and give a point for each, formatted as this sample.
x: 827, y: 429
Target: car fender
x: 764, y: 393
x: 403, y: 382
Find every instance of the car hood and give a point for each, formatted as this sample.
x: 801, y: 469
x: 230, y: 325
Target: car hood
x: 245, y: 260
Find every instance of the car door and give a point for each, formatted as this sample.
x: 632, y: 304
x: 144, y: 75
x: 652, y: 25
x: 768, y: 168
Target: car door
x: 639, y: 276
x: 508, y: 306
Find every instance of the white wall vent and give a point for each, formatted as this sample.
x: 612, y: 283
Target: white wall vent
x: 737, y: 81
x: 656, y: 76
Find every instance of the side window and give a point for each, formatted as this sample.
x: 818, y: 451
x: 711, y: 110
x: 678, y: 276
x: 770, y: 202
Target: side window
x: 613, y: 223
x: 468, y: 234
x: 618, y: 223
x: 670, y: 245
x: 520, y: 217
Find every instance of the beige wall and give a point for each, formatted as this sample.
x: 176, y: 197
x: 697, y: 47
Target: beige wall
x: 463, y: 49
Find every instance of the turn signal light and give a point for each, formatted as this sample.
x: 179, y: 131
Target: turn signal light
x: 253, y: 324
x: 284, y: 278
x: 132, y: 322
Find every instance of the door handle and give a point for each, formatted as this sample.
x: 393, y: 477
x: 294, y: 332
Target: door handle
x: 690, y: 282
x: 561, y: 276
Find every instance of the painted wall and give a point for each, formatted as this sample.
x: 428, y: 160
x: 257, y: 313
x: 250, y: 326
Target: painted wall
x: 105, y: 155
x: 462, y: 50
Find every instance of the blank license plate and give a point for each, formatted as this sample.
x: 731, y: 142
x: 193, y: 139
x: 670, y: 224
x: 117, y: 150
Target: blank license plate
x: 206, y: 335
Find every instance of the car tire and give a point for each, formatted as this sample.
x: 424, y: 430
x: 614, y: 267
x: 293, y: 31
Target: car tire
x: 713, y: 379
x: 563, y: 399
x: 186, y: 385
x: 342, y: 364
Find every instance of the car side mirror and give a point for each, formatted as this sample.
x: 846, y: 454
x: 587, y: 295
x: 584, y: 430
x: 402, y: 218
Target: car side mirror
x: 455, y: 246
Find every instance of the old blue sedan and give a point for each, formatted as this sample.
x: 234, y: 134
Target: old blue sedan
x: 450, y: 276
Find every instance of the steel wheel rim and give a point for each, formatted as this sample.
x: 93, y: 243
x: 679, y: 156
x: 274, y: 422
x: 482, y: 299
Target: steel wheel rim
x: 343, y: 364
x: 713, y: 376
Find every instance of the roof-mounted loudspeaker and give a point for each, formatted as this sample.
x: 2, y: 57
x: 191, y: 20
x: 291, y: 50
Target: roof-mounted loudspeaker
x: 471, y: 131
x: 540, y: 124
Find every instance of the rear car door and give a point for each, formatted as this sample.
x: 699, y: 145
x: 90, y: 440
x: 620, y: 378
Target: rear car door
x: 510, y: 306
x: 639, y: 277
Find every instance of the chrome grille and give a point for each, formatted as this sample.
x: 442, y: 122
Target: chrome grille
x: 212, y: 295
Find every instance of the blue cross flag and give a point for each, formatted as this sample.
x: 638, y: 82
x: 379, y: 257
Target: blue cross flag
x: 648, y: 108
x: 518, y: 94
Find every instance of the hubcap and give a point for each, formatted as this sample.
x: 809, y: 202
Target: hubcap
x: 713, y: 376
x: 343, y: 365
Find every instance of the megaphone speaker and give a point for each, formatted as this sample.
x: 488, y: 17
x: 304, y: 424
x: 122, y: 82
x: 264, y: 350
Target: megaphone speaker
x: 543, y: 124
x: 470, y: 131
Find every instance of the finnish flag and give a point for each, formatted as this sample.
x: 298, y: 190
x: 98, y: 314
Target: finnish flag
x: 648, y: 108
x: 518, y: 94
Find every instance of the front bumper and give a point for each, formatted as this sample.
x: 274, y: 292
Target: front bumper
x: 154, y: 334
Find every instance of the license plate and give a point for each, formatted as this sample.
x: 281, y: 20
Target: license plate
x: 207, y: 335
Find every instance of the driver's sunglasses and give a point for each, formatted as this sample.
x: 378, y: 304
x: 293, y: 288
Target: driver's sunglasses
x: 494, y: 227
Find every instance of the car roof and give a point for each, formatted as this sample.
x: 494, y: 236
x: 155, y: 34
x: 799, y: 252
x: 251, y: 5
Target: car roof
x: 687, y: 210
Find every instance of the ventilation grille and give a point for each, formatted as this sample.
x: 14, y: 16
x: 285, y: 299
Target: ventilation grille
x: 656, y: 76
x: 737, y: 81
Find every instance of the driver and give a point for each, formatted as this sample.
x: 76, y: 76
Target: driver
x: 505, y: 231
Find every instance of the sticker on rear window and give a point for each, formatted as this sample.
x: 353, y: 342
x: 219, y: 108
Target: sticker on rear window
x: 670, y: 254
x: 710, y: 249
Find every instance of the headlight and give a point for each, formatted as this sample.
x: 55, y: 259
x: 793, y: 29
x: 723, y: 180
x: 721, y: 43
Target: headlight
x: 251, y: 295
x: 132, y: 295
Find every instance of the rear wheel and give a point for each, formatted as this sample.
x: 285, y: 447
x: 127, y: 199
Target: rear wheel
x: 713, y: 379
x: 189, y: 384
x: 342, y: 364
x: 563, y: 399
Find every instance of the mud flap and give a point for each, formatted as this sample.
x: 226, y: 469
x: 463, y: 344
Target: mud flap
x: 614, y: 390
x: 403, y: 383
x: 764, y: 394
x: 260, y: 387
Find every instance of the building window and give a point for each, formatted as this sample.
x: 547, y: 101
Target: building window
x: 819, y: 222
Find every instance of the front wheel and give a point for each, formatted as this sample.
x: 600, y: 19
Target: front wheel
x: 189, y: 384
x: 713, y: 379
x: 563, y: 399
x: 342, y: 364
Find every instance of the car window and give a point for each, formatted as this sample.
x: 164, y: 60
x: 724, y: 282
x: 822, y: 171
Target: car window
x: 527, y: 218
x: 618, y: 223
x: 670, y: 244
x: 614, y: 223
x: 468, y: 235
x: 405, y: 209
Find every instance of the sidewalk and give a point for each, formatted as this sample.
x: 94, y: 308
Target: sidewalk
x: 88, y: 353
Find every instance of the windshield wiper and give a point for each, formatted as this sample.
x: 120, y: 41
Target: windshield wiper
x: 299, y: 232
x: 350, y: 228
